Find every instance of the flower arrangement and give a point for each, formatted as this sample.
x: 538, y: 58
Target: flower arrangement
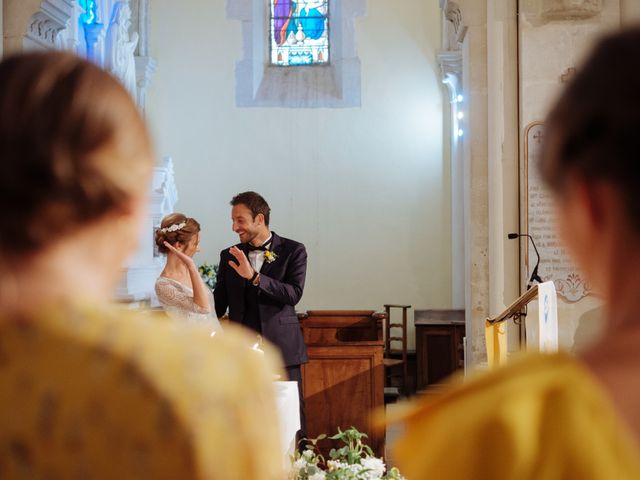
x: 270, y: 256
x: 353, y: 461
x: 209, y: 274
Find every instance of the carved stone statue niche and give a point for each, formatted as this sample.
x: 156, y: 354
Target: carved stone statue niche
x: 454, y: 29
x: 120, y: 48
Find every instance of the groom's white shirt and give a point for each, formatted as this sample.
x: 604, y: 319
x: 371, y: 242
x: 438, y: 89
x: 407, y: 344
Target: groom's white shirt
x: 256, y: 257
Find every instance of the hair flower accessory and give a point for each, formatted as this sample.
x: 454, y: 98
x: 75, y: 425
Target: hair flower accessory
x: 270, y: 256
x: 173, y: 228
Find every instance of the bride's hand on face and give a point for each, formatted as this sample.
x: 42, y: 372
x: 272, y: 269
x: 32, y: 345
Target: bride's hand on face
x: 184, y: 258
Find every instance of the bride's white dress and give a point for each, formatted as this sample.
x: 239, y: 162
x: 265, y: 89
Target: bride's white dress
x: 177, y: 301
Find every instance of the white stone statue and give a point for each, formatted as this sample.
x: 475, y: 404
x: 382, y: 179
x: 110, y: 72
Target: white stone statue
x: 120, y: 48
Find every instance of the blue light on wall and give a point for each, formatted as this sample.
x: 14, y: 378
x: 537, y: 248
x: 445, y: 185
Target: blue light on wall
x: 92, y: 28
x: 89, y: 16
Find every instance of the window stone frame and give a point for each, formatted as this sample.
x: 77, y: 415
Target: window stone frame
x: 261, y: 84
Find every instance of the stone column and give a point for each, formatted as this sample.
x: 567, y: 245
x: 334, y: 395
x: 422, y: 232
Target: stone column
x: 503, y: 174
x: 451, y: 67
x: 474, y: 145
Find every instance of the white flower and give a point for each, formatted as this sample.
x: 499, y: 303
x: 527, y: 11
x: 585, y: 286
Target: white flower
x: 308, y: 455
x: 375, y: 467
x: 299, y: 464
x: 320, y: 475
x: 336, y: 465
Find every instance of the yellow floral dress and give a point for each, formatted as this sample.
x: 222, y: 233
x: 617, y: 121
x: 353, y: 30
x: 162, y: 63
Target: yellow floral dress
x: 540, y: 417
x: 102, y: 393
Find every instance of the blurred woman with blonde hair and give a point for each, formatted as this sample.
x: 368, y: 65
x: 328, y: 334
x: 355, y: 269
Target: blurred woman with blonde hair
x: 89, y: 390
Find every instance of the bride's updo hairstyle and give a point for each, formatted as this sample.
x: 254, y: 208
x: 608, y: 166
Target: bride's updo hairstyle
x: 73, y: 148
x: 175, y: 228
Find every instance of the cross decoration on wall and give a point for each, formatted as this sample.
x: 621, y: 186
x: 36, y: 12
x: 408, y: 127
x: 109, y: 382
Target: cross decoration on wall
x: 538, y: 137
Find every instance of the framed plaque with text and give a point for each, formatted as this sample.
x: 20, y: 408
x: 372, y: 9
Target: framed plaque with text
x: 540, y: 223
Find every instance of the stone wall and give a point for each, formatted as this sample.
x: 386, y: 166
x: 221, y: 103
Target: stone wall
x: 552, y: 35
x: 553, y: 39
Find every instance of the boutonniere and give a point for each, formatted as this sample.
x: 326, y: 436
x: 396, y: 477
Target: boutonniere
x: 270, y: 256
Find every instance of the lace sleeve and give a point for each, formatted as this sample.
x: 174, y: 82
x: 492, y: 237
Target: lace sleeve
x: 171, y: 295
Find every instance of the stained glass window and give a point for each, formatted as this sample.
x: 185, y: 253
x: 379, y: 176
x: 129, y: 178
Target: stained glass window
x: 299, y: 32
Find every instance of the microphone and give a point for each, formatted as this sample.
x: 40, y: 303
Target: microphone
x: 534, y: 274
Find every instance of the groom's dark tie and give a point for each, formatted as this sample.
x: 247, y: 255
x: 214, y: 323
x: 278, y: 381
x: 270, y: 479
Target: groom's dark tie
x: 264, y: 247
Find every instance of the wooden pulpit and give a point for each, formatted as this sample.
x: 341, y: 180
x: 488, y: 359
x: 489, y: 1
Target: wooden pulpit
x: 344, y: 379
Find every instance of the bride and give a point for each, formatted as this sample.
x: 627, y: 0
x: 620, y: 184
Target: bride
x: 180, y: 289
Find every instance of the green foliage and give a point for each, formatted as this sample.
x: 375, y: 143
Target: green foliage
x: 353, y: 461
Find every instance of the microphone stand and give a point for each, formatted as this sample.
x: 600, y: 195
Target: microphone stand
x: 534, y: 274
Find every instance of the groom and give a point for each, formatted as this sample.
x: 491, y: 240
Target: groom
x: 260, y: 280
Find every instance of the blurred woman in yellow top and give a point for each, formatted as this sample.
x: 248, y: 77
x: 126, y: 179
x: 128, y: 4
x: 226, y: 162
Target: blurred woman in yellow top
x: 557, y: 416
x: 87, y: 390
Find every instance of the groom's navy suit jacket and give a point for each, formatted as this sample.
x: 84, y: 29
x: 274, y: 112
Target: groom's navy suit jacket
x: 280, y: 289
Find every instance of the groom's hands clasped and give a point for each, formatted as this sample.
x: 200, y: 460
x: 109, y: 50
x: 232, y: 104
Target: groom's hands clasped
x: 243, y: 267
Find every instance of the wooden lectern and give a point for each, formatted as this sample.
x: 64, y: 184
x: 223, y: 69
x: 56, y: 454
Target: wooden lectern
x: 344, y: 379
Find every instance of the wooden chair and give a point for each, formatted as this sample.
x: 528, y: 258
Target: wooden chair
x: 391, y: 348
